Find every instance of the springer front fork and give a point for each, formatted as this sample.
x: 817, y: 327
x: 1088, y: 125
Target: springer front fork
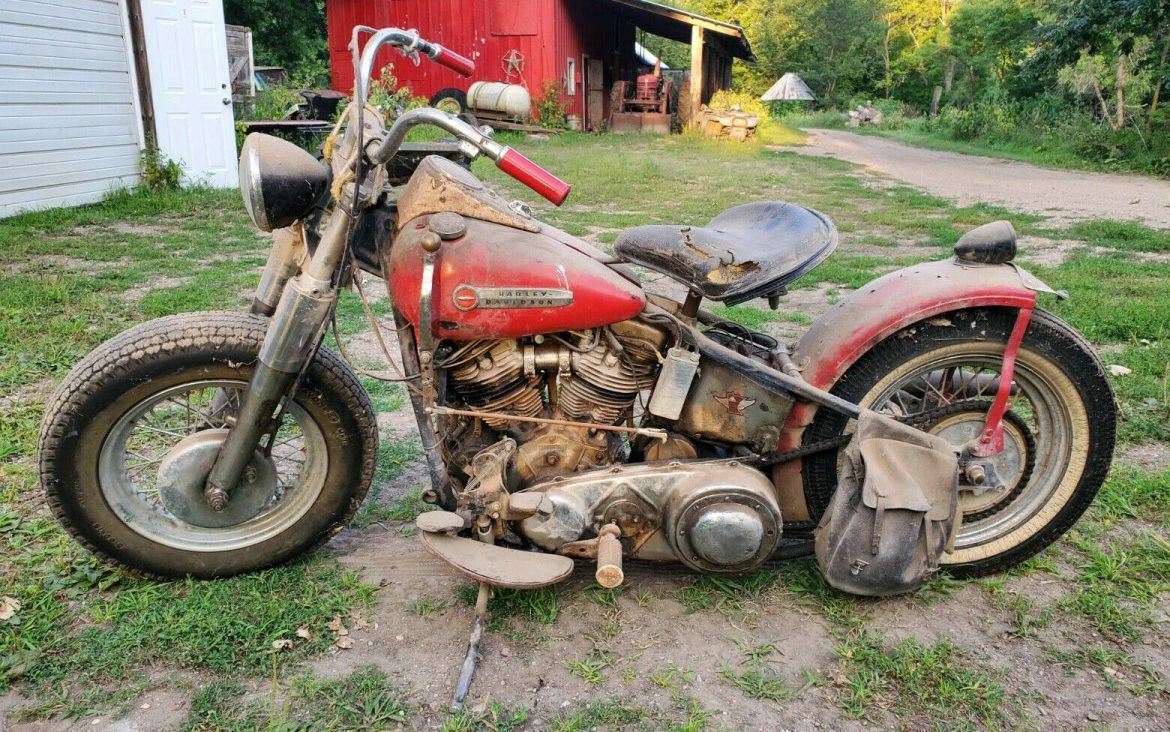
x: 301, y: 293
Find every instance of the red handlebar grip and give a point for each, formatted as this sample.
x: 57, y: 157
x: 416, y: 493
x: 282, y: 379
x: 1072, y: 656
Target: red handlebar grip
x: 534, y: 176
x: 457, y: 63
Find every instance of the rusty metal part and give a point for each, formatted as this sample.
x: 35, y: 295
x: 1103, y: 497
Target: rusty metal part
x: 285, y: 258
x: 492, y: 379
x: 447, y: 225
x: 675, y: 447
x: 440, y: 185
x: 643, y: 341
x: 654, y: 432
x: 652, y: 503
x: 603, y: 385
x: 724, y: 406
x: 560, y: 450
x: 498, y: 565
x: 441, y: 490
x: 484, y: 492
x: 467, y: 671
x: 440, y: 522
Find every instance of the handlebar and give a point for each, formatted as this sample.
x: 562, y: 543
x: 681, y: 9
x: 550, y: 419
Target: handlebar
x: 459, y: 64
x: 380, y: 151
x: 535, y: 177
x: 410, y: 43
x: 508, y: 160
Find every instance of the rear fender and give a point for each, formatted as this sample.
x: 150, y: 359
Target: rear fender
x: 876, y: 311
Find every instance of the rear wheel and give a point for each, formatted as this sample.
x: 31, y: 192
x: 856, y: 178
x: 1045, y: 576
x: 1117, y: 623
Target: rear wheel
x: 130, y: 434
x: 941, y: 376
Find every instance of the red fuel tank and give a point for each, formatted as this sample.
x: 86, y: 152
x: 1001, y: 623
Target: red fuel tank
x: 496, y: 281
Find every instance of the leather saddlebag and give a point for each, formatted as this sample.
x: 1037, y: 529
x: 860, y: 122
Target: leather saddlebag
x: 894, y: 513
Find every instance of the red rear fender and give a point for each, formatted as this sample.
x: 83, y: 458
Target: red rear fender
x: 878, y: 310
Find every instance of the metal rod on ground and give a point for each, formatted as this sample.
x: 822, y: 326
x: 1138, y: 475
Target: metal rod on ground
x: 464, y: 684
x: 483, y: 532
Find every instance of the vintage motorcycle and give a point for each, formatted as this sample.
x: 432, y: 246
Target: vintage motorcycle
x: 563, y: 411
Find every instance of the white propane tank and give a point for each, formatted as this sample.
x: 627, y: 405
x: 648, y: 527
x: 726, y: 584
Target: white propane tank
x: 496, y: 96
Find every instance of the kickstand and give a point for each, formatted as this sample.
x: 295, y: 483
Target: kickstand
x: 464, y: 683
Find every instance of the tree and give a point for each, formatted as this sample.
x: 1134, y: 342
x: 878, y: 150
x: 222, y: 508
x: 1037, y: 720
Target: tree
x: 288, y: 33
x: 1119, y: 33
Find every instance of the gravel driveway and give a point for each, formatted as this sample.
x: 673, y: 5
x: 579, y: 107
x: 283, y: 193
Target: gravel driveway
x: 1062, y: 195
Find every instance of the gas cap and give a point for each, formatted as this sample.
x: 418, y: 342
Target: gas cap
x: 448, y: 225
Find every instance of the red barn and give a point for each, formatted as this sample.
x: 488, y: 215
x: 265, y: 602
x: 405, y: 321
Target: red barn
x: 584, y: 46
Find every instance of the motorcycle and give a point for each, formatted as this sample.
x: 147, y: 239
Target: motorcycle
x: 934, y: 419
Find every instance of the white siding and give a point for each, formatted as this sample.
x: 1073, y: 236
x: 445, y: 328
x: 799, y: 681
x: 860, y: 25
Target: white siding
x: 69, y: 125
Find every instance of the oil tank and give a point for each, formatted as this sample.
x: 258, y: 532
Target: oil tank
x: 494, y: 96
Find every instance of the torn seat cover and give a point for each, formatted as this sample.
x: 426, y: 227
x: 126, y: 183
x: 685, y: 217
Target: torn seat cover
x: 747, y: 251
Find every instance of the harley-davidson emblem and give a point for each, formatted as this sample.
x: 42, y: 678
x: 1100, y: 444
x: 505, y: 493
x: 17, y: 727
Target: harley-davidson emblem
x: 470, y: 297
x: 465, y: 297
x: 734, y: 402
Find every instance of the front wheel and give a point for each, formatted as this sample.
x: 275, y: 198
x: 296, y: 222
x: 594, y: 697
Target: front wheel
x: 941, y: 376
x: 146, y: 411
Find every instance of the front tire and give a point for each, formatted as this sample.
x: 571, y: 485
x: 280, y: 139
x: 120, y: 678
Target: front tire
x: 1061, y: 426
x: 130, y: 400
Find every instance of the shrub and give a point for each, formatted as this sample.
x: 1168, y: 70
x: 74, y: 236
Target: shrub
x: 159, y: 173
x: 747, y: 102
x: 551, y: 110
x: 390, y: 99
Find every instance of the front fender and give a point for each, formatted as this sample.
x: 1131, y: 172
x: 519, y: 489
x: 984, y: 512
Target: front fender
x: 878, y: 310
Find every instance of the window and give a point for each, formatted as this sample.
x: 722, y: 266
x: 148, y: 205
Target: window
x: 571, y: 76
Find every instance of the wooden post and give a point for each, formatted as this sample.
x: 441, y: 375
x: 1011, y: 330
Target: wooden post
x: 696, y: 72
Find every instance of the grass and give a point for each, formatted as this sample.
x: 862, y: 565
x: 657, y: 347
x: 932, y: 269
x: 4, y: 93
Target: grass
x: 760, y: 681
x: 1120, y: 583
x: 735, y: 594
x: 684, y: 714
x: 362, y: 700
x: 918, y: 681
x: 539, y: 605
x: 591, y: 669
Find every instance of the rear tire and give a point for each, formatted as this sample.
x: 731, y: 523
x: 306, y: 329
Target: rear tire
x: 104, y: 396
x: 1072, y: 400
x: 450, y: 100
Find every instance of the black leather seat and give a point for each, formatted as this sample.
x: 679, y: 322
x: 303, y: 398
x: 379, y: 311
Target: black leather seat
x: 747, y: 251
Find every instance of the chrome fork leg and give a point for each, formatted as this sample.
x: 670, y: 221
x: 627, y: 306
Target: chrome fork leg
x: 291, y: 339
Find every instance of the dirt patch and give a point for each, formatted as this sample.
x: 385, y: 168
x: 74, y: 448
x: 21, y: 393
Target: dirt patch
x: 134, y: 294
x: 1154, y: 456
x: 126, y: 227
x: 1059, y: 195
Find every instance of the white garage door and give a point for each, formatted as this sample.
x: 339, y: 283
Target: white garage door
x: 69, y: 123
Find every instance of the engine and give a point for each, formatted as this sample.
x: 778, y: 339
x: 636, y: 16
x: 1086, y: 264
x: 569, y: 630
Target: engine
x: 713, y: 515
x: 591, y: 377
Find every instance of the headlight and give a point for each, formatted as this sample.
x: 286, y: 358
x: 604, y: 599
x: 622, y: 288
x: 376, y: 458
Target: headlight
x: 279, y: 181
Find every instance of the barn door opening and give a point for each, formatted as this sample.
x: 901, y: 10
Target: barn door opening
x: 594, y: 94
x: 189, y: 83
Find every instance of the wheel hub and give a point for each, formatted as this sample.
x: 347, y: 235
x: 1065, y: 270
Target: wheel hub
x: 1011, y: 466
x: 183, y: 474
